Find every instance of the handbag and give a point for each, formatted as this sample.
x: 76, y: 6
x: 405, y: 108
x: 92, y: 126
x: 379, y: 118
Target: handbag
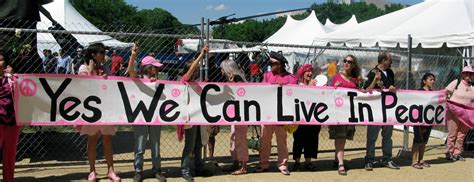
x: 254, y: 141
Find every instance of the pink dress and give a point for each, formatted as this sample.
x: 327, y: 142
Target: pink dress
x: 94, y: 129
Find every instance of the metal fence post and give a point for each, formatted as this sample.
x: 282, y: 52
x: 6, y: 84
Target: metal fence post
x: 201, y: 43
x: 406, y: 128
x: 206, y: 62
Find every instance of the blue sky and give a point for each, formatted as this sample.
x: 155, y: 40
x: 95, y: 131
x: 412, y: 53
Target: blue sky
x: 191, y: 11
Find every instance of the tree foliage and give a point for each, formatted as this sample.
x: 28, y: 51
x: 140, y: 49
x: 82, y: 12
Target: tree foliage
x: 118, y: 16
x: 258, y: 31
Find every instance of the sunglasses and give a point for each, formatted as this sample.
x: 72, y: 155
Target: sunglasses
x: 348, y: 61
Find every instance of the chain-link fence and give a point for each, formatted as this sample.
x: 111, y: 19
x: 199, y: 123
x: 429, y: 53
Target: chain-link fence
x: 51, y: 49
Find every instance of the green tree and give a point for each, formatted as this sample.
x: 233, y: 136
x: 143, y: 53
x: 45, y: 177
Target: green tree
x: 118, y: 16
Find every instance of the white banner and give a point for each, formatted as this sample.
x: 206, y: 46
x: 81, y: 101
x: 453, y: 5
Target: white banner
x: 92, y: 100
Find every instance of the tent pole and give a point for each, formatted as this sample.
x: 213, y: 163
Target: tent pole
x: 405, y: 128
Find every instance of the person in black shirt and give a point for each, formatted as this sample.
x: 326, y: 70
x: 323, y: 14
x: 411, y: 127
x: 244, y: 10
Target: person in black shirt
x: 422, y: 133
x: 380, y: 77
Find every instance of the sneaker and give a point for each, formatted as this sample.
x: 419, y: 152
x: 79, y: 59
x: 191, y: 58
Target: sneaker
x: 187, y: 176
x: 391, y: 165
x: 160, y: 177
x: 137, y: 177
x: 450, y: 157
x: 459, y: 158
x: 369, y: 166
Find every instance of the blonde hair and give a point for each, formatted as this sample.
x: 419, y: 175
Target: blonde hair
x: 231, y: 67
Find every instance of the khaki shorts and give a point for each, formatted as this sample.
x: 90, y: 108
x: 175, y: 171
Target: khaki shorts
x: 342, y: 132
x: 92, y: 130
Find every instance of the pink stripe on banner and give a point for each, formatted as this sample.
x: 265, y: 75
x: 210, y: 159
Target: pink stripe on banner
x: 220, y: 123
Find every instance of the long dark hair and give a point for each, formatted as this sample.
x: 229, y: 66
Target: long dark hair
x: 93, y: 49
x: 355, y: 72
x: 425, y: 77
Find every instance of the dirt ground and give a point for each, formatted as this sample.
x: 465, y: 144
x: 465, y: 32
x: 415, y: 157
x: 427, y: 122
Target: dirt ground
x: 441, y: 170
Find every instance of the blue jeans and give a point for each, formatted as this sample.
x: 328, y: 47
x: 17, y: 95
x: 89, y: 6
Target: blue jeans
x: 372, y: 134
x: 192, y: 145
x: 141, y: 134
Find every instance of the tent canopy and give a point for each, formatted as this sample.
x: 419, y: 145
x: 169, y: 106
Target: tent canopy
x: 331, y: 27
x: 298, y: 32
x: 430, y: 23
x: 64, y: 13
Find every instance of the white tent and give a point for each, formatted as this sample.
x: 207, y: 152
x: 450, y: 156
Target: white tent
x: 329, y: 26
x: 298, y: 32
x: 64, y: 13
x: 431, y: 24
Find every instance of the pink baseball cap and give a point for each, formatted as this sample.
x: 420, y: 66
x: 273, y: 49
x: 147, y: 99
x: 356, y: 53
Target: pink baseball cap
x: 149, y: 60
x: 468, y: 69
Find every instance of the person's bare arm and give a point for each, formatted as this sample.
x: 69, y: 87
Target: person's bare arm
x: 196, y: 62
x: 377, y: 77
x: 131, y: 61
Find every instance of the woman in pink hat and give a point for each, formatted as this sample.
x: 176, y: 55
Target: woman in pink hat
x: 306, y: 137
x: 460, y: 91
x: 144, y: 134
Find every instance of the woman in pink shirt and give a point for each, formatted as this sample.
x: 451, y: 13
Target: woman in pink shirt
x: 461, y: 91
x: 94, y: 55
x: 280, y: 76
x: 347, y: 78
x: 9, y: 130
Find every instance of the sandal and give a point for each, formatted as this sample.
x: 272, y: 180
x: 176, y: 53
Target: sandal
x: 92, y: 177
x: 425, y: 164
x: 112, y: 176
x: 342, y: 172
x: 239, y: 172
x: 417, y: 166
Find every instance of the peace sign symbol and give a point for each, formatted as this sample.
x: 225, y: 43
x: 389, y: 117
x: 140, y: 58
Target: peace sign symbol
x: 28, y: 87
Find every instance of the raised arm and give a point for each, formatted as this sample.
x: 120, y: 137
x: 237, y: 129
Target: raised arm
x: 196, y: 62
x: 131, y: 61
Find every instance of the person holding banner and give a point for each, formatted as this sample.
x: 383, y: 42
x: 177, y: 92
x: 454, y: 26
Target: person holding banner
x: 238, y: 137
x: 149, y: 67
x: 94, y: 55
x: 461, y: 93
x: 277, y: 75
x: 422, y: 133
x: 9, y: 130
x: 380, y: 77
x: 195, y: 137
x: 306, y: 137
x: 347, y: 78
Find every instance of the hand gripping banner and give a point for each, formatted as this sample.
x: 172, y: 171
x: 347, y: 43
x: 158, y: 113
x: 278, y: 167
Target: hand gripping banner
x: 92, y: 100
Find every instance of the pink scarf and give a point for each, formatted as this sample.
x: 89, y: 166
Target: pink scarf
x: 464, y: 113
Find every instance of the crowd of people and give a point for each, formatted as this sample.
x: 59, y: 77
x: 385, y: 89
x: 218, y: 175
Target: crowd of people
x: 306, y: 137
